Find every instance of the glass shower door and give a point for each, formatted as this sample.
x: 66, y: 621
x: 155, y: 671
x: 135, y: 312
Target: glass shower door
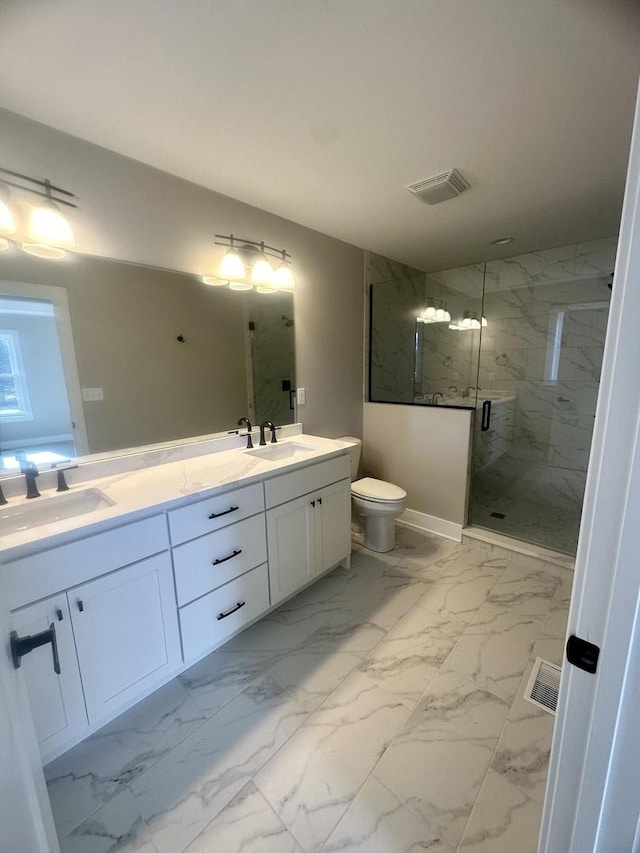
x: 540, y: 359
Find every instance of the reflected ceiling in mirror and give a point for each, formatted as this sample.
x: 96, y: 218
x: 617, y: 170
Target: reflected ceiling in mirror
x: 100, y: 356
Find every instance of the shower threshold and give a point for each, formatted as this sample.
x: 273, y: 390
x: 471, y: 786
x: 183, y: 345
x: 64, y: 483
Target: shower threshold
x: 517, y: 545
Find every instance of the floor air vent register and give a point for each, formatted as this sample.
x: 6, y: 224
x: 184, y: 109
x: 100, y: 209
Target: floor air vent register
x: 544, y: 683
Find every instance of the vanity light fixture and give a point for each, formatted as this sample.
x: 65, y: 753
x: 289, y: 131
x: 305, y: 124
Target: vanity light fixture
x: 435, y: 313
x: 469, y: 322
x: 246, y: 265
x: 49, y: 234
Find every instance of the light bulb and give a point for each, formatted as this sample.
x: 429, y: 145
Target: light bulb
x: 484, y: 322
x: 231, y: 266
x: 440, y: 315
x: 48, y: 227
x: 262, y: 272
x: 430, y: 312
x: 7, y: 222
x: 240, y: 285
x: 284, y: 278
x: 214, y: 281
x: 447, y: 316
x: 4, y: 244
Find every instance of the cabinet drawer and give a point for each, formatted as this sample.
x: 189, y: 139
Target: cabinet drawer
x: 200, y: 622
x: 304, y: 480
x: 211, y: 561
x: 205, y: 516
x: 39, y: 575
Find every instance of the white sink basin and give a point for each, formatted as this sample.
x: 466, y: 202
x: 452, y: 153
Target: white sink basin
x: 41, y: 510
x: 282, y: 450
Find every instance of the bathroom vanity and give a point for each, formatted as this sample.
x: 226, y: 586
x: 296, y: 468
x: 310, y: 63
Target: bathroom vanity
x: 175, y: 559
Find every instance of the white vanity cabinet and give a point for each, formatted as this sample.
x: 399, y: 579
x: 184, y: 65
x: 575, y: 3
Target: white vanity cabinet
x: 307, y: 535
x: 57, y: 702
x: 126, y: 632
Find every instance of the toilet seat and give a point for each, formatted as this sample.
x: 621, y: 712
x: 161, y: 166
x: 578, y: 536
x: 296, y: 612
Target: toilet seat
x: 379, y: 491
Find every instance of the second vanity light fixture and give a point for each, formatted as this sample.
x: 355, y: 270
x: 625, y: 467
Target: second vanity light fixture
x: 246, y: 265
x: 469, y: 322
x: 435, y: 312
x: 48, y: 233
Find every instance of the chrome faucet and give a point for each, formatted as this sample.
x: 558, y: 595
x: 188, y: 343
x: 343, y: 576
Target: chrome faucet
x: 269, y: 424
x: 249, y: 427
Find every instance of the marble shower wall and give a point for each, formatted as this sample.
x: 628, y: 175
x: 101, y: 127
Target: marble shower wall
x: 411, y: 361
x: 270, y: 350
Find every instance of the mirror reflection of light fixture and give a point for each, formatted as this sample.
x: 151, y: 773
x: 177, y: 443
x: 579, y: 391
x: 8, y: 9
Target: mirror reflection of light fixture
x: 246, y: 265
x: 49, y: 234
x: 435, y: 313
x: 469, y: 322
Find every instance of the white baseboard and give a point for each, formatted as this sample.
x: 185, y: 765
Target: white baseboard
x: 432, y: 524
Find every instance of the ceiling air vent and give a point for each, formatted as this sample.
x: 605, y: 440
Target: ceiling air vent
x: 439, y: 188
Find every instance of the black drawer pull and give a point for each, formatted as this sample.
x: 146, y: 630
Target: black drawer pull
x: 226, y: 512
x: 21, y: 646
x: 59, y: 615
x: 233, y: 610
x: 230, y: 557
x: 80, y: 605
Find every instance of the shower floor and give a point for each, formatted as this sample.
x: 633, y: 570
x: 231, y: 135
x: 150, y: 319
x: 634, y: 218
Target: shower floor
x: 509, y: 497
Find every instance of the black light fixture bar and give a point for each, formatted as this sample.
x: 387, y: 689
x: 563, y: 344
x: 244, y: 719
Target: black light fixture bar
x: 49, y: 188
x: 239, y: 242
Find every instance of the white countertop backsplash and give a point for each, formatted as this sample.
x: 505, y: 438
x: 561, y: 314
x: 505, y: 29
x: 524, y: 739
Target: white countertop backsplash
x: 152, y: 480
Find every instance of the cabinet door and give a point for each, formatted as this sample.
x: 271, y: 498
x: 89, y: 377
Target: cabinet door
x: 291, y: 546
x: 57, y: 703
x: 333, y: 525
x: 126, y: 631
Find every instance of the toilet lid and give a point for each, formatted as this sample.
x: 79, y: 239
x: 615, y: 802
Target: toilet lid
x: 377, y: 490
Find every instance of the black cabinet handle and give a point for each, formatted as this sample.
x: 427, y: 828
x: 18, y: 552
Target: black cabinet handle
x: 226, y: 512
x: 229, y: 612
x: 224, y: 559
x: 80, y: 605
x: 59, y: 615
x: 21, y: 646
x: 486, y: 416
x: 313, y: 503
x: 320, y: 501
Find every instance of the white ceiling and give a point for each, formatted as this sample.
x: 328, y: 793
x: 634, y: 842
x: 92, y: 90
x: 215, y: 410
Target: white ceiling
x: 322, y: 111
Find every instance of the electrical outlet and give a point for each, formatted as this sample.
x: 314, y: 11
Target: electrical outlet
x: 90, y: 395
x: 301, y: 396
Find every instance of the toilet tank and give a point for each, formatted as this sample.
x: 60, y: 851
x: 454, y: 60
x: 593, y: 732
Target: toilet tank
x: 354, y: 452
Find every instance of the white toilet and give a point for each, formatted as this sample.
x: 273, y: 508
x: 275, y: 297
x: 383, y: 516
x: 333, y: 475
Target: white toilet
x: 378, y: 502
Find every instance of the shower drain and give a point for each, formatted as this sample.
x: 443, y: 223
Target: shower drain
x: 544, y: 683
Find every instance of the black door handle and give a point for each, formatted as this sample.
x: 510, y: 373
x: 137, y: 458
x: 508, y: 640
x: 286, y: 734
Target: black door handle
x: 320, y: 501
x: 292, y: 393
x: 226, y: 512
x: 21, y: 646
x: 486, y: 416
x: 229, y: 612
x: 224, y: 559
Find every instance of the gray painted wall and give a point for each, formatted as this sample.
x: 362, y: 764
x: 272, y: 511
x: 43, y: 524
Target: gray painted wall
x: 130, y: 211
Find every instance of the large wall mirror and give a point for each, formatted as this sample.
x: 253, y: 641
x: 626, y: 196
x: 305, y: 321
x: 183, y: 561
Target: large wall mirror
x: 98, y: 356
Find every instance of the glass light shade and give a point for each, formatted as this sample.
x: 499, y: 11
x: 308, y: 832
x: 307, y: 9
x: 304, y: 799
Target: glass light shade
x: 7, y: 222
x: 231, y: 266
x: 441, y: 315
x: 447, y: 316
x: 466, y: 322
x: 261, y: 288
x: 430, y: 313
x: 42, y: 250
x: 284, y: 278
x: 214, y: 281
x: 262, y: 273
x: 47, y: 226
x: 475, y: 324
x: 4, y: 244
x: 240, y: 285
x: 484, y: 322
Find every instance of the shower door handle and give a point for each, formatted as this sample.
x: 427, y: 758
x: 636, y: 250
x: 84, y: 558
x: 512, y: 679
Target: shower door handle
x: 485, y: 423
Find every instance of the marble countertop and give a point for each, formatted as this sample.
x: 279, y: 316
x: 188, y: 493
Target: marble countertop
x: 144, y: 492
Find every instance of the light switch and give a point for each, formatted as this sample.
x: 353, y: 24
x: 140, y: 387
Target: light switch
x: 91, y: 394
x: 301, y: 396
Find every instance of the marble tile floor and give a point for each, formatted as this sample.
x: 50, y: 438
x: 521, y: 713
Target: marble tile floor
x: 532, y: 518
x: 378, y: 711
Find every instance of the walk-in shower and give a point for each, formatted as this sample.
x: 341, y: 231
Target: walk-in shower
x: 519, y: 340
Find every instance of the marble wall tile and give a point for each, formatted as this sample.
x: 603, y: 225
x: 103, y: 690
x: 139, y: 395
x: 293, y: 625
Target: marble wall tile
x: 247, y: 824
x: 531, y: 268
x: 596, y: 256
x: 184, y: 791
x: 504, y: 820
x: 436, y: 764
x: 314, y: 778
x: 85, y: 778
x: 377, y: 822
